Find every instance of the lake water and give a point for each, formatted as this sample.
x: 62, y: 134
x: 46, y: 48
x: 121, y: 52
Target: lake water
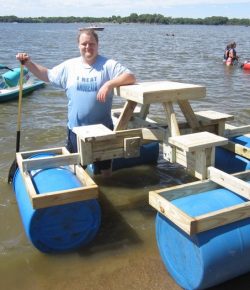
x: 124, y: 254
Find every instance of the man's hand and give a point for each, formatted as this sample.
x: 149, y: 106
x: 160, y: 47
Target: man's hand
x: 23, y: 57
x: 103, y: 92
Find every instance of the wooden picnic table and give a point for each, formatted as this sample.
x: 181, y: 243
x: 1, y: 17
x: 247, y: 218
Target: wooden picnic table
x: 165, y: 92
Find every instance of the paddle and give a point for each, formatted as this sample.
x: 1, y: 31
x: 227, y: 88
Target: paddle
x: 18, y: 133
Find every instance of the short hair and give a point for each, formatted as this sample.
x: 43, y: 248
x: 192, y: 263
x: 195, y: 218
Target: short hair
x: 87, y: 31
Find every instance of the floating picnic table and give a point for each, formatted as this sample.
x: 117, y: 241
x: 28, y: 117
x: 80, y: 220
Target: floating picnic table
x: 194, y: 148
x: 165, y: 92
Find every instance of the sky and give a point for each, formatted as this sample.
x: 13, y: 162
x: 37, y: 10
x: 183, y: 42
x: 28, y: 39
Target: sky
x: 107, y: 8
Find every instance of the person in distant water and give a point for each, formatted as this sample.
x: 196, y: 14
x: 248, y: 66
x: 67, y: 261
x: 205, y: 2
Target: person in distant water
x: 232, y: 55
x: 88, y: 81
x: 226, y: 52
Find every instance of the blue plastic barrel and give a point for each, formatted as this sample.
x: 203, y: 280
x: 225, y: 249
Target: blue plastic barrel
x: 57, y: 228
x: 230, y: 162
x: 149, y: 154
x: 208, y: 258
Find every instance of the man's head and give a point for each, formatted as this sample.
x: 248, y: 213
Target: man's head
x: 88, y: 45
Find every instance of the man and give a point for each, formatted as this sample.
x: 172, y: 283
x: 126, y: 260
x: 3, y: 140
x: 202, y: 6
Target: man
x: 88, y: 81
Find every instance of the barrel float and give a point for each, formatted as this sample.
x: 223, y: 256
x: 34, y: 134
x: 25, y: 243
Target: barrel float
x: 229, y: 161
x: 208, y: 258
x: 56, y: 228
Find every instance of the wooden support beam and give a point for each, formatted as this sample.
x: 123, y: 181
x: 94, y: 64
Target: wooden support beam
x: 64, y: 196
x: 189, y: 115
x: 238, y: 149
x: 144, y: 111
x: 230, y: 182
x: 50, y: 161
x: 125, y: 115
x: 219, y: 218
x: 27, y: 154
x: 86, y: 152
x: 171, y: 119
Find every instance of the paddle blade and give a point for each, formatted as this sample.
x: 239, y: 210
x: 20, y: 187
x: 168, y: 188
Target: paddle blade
x: 12, y: 171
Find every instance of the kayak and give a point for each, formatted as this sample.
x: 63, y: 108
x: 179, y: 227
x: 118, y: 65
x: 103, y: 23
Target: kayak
x: 12, y: 93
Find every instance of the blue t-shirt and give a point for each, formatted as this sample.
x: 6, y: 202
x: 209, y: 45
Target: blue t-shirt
x: 81, y: 83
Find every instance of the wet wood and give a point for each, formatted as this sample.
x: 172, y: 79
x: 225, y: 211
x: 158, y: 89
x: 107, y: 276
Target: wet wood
x: 88, y: 190
x: 161, y: 201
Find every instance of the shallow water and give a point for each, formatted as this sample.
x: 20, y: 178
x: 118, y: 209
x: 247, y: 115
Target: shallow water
x: 124, y: 254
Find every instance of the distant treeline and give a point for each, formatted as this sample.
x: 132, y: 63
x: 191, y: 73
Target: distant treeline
x: 132, y: 18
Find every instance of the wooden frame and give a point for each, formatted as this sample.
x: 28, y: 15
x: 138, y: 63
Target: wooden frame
x: 238, y: 149
x: 117, y: 144
x: 160, y: 200
x: 232, y: 131
x: 88, y: 190
x: 194, y: 151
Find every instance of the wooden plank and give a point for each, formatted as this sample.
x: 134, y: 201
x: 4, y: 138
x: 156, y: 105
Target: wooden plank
x: 104, y: 149
x: 83, y: 176
x: 29, y: 185
x: 144, y: 111
x: 85, y: 151
x: 170, y: 211
x: 238, y: 149
x: 118, y: 142
x: 212, y: 117
x: 201, y: 164
x: 160, y: 92
x: 154, y: 134
x: 171, y: 119
x: 236, y: 131
x: 189, y: 114
x: 50, y: 161
x: 108, y: 154
x: 220, y: 217
x: 182, y: 190
x: 19, y: 159
x: 196, y: 141
x: 132, y: 147
x: 230, y: 182
x: 169, y: 153
x: 94, y: 132
x: 64, y: 196
x: 27, y: 154
x: 125, y: 116
x: 26, y: 178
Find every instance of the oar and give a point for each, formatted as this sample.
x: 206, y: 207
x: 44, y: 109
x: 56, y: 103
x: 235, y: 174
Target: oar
x: 18, y: 133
